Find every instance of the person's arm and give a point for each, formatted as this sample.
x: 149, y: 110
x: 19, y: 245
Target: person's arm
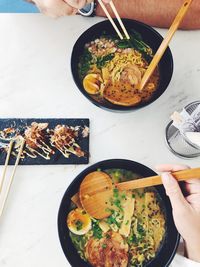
x: 186, y: 210
x: 158, y: 13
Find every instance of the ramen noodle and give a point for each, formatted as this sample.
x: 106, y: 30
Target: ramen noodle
x: 131, y: 236
x: 109, y: 65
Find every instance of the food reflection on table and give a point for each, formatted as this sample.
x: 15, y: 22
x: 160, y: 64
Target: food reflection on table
x: 131, y: 235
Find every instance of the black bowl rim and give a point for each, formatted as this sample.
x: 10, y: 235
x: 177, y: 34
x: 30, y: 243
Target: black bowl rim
x: 118, y: 107
x: 78, y: 177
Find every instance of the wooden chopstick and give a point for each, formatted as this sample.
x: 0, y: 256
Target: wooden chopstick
x: 112, y: 21
x: 156, y: 180
x: 119, y: 19
x: 110, y: 18
x: 13, y: 173
x: 161, y: 50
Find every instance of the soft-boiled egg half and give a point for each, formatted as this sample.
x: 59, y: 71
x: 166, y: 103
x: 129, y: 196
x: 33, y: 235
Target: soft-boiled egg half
x: 92, y: 83
x: 79, y: 222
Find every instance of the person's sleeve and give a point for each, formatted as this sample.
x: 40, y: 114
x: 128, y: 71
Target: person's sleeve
x: 183, y: 262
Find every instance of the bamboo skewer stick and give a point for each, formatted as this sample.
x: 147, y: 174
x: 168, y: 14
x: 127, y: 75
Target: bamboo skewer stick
x: 6, y: 165
x: 12, y: 177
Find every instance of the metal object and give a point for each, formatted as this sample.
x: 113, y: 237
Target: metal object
x: 88, y: 10
x: 180, y: 145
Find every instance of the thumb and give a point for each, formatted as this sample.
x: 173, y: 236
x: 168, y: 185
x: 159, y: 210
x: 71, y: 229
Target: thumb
x: 174, y: 193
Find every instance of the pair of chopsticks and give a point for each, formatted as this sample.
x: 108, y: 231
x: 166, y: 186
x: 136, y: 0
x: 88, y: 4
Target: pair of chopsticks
x: 112, y: 21
x: 9, y: 182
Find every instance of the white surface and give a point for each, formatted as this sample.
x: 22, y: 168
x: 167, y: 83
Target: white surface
x: 194, y: 138
x: 35, y: 81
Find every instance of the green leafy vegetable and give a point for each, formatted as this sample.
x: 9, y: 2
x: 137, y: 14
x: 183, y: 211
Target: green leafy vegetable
x: 137, y: 43
x: 101, y: 61
x: 85, y: 62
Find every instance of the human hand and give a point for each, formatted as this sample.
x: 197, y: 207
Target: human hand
x: 186, y: 210
x: 81, y: 3
x: 59, y: 8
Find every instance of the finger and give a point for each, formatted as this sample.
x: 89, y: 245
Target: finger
x: 194, y: 201
x: 76, y: 3
x: 193, y: 181
x: 174, y: 193
x: 196, y: 207
x: 193, y: 188
x: 194, y: 198
x: 106, y: 1
x: 54, y: 8
x: 171, y: 167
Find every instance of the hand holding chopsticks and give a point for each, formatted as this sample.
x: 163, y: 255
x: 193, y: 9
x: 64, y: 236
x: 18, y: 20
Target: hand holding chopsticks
x: 112, y: 21
x: 9, y: 183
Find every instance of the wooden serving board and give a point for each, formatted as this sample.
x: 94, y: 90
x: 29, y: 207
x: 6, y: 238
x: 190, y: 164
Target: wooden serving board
x: 57, y: 158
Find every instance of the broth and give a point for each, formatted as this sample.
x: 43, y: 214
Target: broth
x: 131, y: 236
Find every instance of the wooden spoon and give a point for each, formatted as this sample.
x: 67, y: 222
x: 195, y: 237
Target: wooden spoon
x: 157, y: 57
x: 95, y: 193
x: 96, y: 190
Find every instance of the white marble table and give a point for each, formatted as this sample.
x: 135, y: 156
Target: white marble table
x: 35, y: 81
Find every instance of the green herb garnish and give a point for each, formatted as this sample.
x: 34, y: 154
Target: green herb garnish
x: 117, y: 203
x: 112, y: 220
x: 140, y: 229
x: 132, y: 239
x: 79, y: 225
x: 115, y: 193
x: 107, y: 236
x: 123, y: 196
x: 104, y: 246
x: 97, y: 232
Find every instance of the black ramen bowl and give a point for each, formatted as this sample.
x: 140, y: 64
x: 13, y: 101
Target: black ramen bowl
x: 171, y: 241
x: 149, y: 36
